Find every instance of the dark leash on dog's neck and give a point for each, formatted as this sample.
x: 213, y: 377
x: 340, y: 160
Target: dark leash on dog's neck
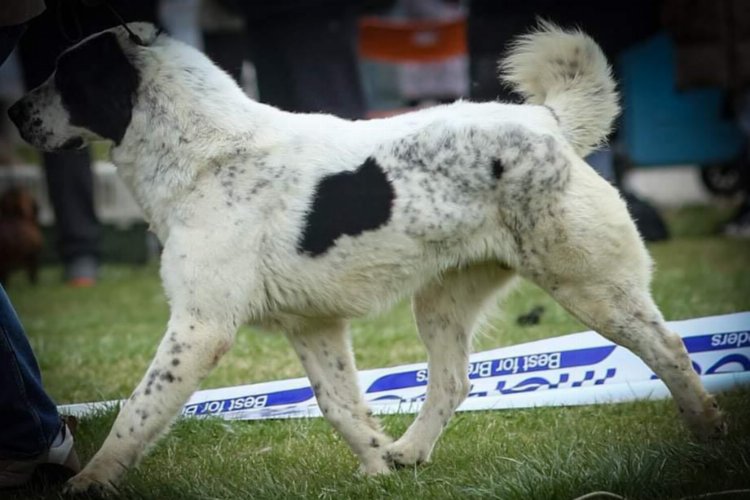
x: 133, y: 37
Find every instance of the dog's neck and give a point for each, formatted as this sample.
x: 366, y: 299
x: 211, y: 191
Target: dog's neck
x: 179, y: 128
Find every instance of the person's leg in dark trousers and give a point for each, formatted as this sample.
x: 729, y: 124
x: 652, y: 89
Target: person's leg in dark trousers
x: 32, y: 432
x: 28, y: 418
x: 68, y: 173
x: 69, y: 176
x: 71, y: 190
x: 306, y: 59
x: 69, y: 179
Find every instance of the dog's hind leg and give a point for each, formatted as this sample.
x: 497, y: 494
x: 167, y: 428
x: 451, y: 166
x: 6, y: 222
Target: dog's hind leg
x: 446, y: 312
x: 598, y: 268
x: 626, y: 314
x: 325, y: 350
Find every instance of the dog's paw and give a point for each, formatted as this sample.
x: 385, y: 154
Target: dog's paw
x: 372, y: 458
x: 709, y: 424
x: 713, y: 425
x: 375, y: 468
x: 88, y: 488
x: 404, y: 453
x: 88, y: 485
x: 720, y: 429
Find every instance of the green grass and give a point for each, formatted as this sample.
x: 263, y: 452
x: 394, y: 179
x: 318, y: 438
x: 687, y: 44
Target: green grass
x: 95, y: 344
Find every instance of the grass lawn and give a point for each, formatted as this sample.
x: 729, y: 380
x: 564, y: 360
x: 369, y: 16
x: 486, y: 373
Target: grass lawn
x: 95, y: 344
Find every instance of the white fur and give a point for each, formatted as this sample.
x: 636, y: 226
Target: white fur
x: 227, y: 184
x: 567, y: 71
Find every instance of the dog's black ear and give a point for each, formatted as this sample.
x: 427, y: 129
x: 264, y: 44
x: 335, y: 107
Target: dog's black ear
x: 97, y: 84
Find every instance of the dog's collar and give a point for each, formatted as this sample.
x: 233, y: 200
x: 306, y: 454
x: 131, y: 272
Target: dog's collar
x: 133, y: 37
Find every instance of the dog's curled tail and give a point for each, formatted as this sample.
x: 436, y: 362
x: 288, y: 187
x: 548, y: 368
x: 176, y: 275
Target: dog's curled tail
x: 566, y: 71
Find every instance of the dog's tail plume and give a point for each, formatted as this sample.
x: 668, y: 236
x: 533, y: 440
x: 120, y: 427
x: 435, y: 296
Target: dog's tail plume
x: 567, y: 71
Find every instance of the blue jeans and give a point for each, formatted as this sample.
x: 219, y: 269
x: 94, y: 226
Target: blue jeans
x: 29, y: 421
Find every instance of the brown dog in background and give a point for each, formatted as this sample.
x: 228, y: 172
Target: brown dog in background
x: 20, y: 234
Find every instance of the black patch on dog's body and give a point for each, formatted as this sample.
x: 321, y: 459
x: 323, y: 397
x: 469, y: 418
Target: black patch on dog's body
x: 97, y: 85
x: 497, y: 169
x: 347, y: 203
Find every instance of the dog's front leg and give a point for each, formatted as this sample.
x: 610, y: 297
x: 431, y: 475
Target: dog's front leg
x: 325, y: 350
x: 203, y: 321
x: 188, y: 351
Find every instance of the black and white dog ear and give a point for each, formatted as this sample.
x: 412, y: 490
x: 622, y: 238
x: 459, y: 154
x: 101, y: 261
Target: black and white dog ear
x: 97, y: 83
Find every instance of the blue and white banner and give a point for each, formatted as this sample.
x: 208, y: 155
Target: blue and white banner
x: 578, y: 369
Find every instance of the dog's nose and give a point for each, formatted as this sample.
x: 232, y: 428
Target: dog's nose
x: 18, y: 113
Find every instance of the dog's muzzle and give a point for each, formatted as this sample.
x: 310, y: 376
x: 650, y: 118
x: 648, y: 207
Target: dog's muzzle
x: 32, y: 130
x: 19, y: 114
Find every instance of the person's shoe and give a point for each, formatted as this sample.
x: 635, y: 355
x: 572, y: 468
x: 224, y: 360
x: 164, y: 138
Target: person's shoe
x: 81, y: 272
x: 739, y: 226
x: 58, y: 464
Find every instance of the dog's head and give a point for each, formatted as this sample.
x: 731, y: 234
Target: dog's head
x: 89, y: 96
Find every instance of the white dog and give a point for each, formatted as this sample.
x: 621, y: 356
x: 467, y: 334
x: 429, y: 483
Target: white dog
x: 299, y: 222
